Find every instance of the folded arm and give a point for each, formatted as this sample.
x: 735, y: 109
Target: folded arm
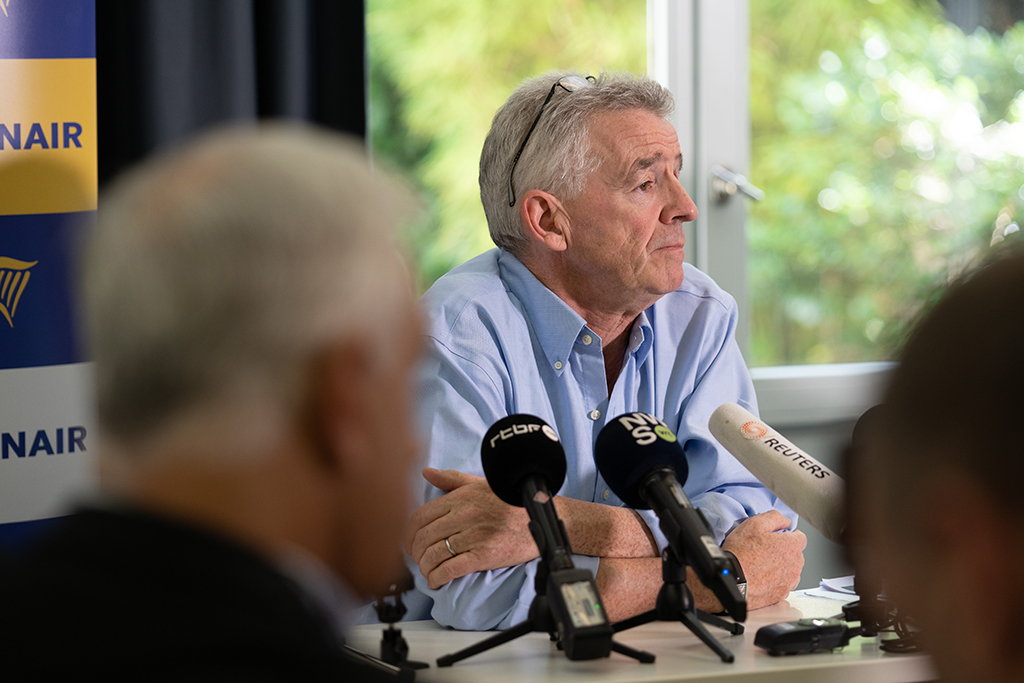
x: 485, y: 533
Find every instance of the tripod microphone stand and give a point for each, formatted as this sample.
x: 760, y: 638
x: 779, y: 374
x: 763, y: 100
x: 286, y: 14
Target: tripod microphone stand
x: 541, y: 619
x: 675, y: 603
x: 393, y: 647
x: 394, y: 659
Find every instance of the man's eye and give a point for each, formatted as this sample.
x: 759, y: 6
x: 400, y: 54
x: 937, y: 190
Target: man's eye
x: 646, y: 185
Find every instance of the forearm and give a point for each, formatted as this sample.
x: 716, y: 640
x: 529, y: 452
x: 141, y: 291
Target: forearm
x: 630, y: 586
x: 604, y: 531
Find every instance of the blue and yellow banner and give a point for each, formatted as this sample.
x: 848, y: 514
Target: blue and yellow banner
x: 48, y: 190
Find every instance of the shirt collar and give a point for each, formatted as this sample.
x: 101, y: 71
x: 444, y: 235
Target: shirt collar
x: 641, y: 337
x: 554, y: 322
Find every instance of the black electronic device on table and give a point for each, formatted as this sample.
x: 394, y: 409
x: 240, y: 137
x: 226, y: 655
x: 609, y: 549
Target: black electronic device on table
x: 525, y: 466
x: 804, y: 636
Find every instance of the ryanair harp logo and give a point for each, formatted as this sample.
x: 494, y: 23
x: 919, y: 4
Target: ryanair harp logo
x: 4, y: 4
x: 14, y: 276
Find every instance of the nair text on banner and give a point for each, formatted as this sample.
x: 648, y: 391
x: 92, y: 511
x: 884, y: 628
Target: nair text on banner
x: 48, y: 188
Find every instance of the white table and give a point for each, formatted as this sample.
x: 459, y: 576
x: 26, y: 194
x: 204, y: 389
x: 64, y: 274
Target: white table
x: 680, y: 656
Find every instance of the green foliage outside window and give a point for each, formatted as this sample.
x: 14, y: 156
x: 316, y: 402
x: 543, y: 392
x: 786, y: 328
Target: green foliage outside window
x: 441, y: 68
x: 890, y: 147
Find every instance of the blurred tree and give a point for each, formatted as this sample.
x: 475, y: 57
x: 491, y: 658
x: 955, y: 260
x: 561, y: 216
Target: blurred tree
x: 890, y: 147
x: 441, y: 68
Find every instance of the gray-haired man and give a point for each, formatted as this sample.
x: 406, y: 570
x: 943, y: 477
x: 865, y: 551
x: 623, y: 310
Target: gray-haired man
x: 583, y: 312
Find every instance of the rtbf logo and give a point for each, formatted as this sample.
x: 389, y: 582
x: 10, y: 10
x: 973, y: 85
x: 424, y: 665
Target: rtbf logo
x: 517, y: 430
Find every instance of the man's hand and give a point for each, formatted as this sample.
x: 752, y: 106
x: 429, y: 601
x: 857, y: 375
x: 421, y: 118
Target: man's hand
x: 771, y: 561
x: 485, y: 532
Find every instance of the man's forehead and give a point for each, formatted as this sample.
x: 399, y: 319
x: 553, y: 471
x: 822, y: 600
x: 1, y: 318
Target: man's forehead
x: 633, y: 140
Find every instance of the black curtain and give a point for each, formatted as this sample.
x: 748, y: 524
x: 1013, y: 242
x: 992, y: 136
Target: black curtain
x: 167, y: 68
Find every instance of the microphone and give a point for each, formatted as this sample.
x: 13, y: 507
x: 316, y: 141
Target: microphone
x: 812, y: 490
x: 643, y: 463
x: 524, y: 464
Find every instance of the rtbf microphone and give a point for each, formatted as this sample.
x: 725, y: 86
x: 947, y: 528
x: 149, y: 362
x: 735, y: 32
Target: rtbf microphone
x: 525, y: 465
x: 642, y: 461
x: 812, y: 490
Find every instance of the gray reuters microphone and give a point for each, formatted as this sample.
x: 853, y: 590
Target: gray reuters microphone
x: 812, y: 490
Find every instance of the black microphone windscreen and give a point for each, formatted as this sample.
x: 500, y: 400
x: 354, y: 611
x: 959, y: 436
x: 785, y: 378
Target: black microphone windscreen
x: 517, y: 447
x: 868, y: 421
x: 632, y: 445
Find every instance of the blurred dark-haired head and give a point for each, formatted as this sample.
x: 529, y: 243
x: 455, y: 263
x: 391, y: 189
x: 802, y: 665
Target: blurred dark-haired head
x: 937, y: 474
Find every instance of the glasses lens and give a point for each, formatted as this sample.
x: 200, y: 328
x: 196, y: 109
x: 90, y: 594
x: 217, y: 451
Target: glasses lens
x: 572, y: 83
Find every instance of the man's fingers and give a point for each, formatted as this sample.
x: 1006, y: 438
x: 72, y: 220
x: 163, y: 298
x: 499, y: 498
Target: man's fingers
x: 432, y: 510
x: 448, y: 480
x: 451, y: 569
x: 433, y: 556
x: 422, y: 517
x: 800, y: 536
x: 429, y: 536
x: 773, y: 520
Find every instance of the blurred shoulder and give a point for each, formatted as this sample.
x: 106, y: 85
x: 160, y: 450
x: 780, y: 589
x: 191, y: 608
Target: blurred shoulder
x: 469, y: 297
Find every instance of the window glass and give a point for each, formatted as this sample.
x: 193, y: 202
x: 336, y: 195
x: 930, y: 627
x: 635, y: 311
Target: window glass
x: 439, y: 70
x: 890, y: 146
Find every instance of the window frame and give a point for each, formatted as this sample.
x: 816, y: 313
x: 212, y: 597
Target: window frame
x: 699, y: 50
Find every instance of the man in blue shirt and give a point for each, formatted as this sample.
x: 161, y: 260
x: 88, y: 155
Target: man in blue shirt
x: 583, y: 312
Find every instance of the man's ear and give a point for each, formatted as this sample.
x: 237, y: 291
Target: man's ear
x: 341, y: 379
x: 545, y: 219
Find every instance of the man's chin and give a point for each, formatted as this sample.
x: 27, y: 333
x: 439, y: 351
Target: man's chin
x: 674, y: 279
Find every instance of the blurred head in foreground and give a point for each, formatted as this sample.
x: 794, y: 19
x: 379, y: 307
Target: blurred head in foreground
x: 940, y: 477
x: 253, y: 327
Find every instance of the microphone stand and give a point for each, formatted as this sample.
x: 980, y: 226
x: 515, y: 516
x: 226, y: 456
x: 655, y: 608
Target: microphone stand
x: 394, y: 662
x: 867, y: 609
x: 540, y: 619
x: 675, y: 603
x: 393, y: 647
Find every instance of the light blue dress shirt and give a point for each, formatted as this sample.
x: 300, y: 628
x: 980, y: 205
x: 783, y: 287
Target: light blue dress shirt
x: 500, y: 342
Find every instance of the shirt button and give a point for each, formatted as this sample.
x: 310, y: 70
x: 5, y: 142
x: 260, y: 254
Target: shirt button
x: 595, y: 414
x: 587, y: 340
x: 558, y: 365
x: 606, y: 494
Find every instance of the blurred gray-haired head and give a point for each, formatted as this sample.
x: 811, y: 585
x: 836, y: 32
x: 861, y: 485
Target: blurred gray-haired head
x: 558, y: 157
x: 218, y: 271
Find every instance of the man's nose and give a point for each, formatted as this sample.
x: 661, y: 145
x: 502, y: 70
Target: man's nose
x: 680, y: 208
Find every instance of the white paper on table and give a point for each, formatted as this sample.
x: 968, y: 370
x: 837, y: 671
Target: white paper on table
x: 843, y: 584
x: 828, y: 595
